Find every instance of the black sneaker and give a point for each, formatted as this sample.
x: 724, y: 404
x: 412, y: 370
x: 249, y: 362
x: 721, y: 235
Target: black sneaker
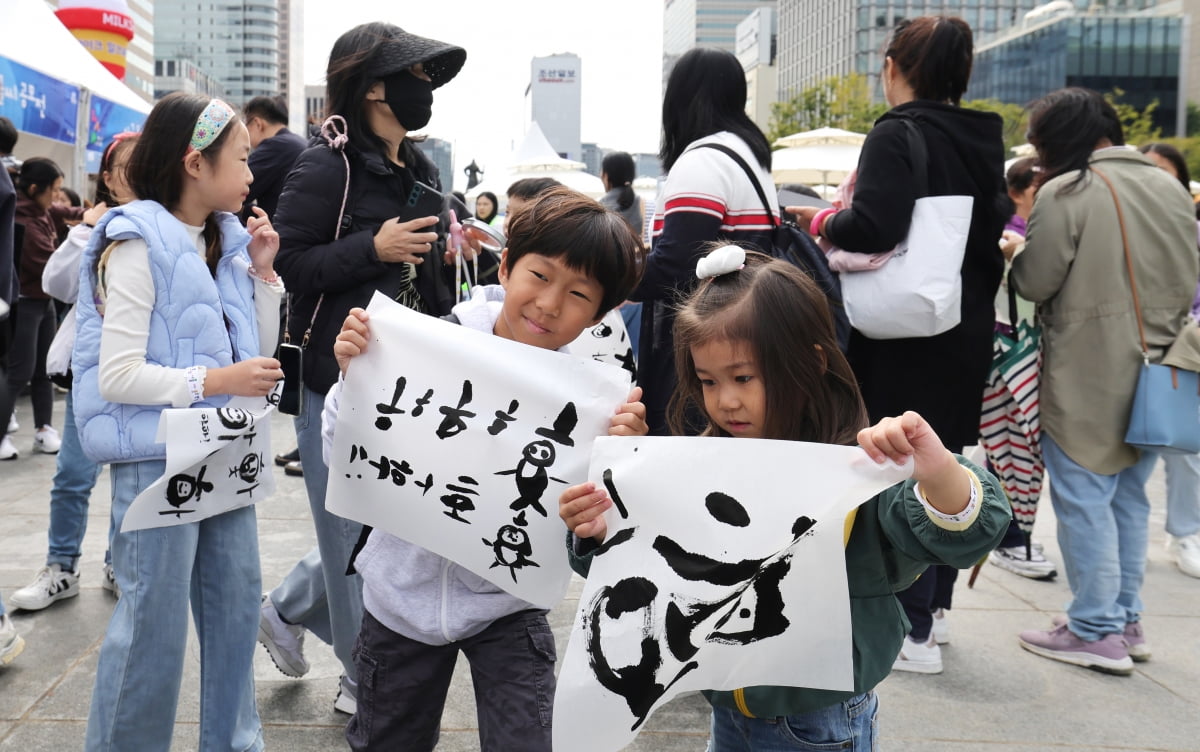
x: 293, y: 468
x: 286, y: 457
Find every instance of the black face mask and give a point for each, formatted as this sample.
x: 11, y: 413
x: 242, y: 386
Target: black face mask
x: 410, y: 99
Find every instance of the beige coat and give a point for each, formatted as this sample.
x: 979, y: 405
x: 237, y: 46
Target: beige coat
x: 1074, y: 268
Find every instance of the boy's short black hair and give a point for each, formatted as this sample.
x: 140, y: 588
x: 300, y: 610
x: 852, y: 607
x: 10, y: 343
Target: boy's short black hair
x: 562, y: 223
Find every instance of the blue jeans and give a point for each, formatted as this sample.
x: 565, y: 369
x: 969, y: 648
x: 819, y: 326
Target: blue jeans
x: 213, y: 564
x: 850, y: 725
x: 631, y: 313
x: 74, y: 477
x: 1103, y: 524
x: 318, y: 593
x: 1183, y: 493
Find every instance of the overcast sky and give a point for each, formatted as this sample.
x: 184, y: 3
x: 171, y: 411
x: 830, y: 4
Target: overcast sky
x: 482, y: 110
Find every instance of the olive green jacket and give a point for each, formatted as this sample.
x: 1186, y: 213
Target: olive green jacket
x: 1074, y: 268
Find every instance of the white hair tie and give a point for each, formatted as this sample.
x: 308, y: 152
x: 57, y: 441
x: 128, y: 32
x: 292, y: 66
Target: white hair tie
x: 723, y: 260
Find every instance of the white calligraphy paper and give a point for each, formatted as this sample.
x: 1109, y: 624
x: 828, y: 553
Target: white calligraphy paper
x: 216, y: 461
x: 461, y: 442
x: 723, y: 567
x: 606, y: 342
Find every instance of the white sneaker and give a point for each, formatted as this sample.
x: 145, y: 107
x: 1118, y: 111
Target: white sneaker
x: 284, y: 642
x: 13, y: 425
x: 109, y: 581
x: 1185, y: 552
x: 46, y: 440
x: 51, y: 584
x: 1035, y: 566
x: 345, y: 702
x: 941, y: 627
x: 11, y: 643
x: 919, y: 658
x: 8, y: 450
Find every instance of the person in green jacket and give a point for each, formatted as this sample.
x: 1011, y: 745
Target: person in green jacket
x: 758, y: 358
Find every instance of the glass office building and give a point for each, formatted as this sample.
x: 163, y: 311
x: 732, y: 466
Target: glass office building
x: 1140, y: 54
x: 235, y: 43
x: 823, y: 38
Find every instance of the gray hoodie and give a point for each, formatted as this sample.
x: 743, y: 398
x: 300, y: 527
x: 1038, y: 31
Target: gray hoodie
x: 412, y: 591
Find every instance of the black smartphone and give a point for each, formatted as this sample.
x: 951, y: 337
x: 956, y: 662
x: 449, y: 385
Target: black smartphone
x: 291, y: 362
x: 423, y: 201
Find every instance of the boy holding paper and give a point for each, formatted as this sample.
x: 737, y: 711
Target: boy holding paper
x: 568, y: 262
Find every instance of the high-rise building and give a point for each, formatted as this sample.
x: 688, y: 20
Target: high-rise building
x: 139, y: 58
x: 555, y: 98
x: 291, y: 61
x: 705, y: 23
x: 756, y: 52
x: 235, y: 43
x: 1142, y: 53
x: 823, y: 38
x: 183, y: 75
x: 314, y: 104
x: 441, y: 153
x: 593, y: 157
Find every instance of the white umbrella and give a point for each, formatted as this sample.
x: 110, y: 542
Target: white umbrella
x: 824, y: 164
x: 821, y: 137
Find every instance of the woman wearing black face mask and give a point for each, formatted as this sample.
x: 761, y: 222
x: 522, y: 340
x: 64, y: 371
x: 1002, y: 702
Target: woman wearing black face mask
x: 380, y: 84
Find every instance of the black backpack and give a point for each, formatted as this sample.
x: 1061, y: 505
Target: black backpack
x: 795, y: 246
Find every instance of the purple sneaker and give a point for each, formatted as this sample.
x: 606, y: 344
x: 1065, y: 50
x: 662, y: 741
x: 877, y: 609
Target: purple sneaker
x: 1135, y: 638
x: 1109, y: 654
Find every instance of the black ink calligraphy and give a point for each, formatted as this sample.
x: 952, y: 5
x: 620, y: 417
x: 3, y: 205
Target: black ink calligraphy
x: 183, y: 488
x: 512, y: 549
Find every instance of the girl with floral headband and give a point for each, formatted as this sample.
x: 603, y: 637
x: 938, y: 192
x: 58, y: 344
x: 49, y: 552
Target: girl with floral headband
x: 178, y: 305
x: 757, y: 357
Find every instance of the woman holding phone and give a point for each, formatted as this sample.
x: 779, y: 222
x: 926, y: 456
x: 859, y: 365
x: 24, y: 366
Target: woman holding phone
x: 344, y: 234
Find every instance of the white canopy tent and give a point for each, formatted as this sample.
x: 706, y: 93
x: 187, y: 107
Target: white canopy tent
x: 822, y: 137
x: 821, y: 164
x: 536, y: 158
x: 36, y: 39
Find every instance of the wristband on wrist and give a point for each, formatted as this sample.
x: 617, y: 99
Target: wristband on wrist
x: 195, y: 382
x: 814, y: 229
x: 270, y: 279
x: 966, y: 512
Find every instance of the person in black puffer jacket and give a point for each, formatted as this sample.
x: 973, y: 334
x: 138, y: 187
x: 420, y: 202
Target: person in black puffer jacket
x: 336, y: 251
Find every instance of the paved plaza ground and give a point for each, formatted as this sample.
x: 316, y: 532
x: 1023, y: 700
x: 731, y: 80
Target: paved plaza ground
x: 993, y: 696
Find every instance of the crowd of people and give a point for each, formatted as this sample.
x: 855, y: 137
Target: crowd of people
x: 225, y: 230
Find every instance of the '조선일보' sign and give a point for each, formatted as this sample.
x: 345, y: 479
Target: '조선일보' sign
x: 723, y: 567
x: 461, y: 442
x: 216, y: 461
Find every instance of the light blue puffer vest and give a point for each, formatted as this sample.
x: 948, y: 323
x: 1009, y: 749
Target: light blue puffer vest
x: 196, y: 320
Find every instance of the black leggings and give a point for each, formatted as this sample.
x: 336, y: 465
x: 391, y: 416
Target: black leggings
x: 35, y: 328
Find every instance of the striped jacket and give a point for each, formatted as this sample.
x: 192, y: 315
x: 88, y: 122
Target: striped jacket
x: 705, y: 197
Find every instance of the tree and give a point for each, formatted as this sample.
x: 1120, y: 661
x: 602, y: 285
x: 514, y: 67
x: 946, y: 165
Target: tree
x: 837, y: 102
x: 1139, y: 127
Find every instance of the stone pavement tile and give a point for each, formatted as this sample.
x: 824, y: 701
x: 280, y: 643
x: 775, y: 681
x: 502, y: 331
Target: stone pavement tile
x: 72, y: 698
x: 44, y: 736
x: 297, y: 738
x: 1174, y: 662
x: 55, y: 639
x: 55, y: 736
x: 994, y: 691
